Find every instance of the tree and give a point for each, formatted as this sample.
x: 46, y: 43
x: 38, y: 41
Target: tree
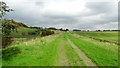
x: 61, y: 29
x: 4, y: 8
x: 67, y: 30
x: 52, y: 28
x: 6, y: 26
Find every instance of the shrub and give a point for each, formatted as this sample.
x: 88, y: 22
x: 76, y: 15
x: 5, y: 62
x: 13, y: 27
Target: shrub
x: 47, y: 32
x: 24, y: 33
x: 34, y: 33
x: 6, y: 41
x: 43, y: 33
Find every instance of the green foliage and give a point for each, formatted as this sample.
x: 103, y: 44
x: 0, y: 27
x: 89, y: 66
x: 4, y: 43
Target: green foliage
x: 9, y: 52
x: 22, y: 31
x: 22, y: 25
x: 52, y: 28
x: 64, y: 29
x: 4, y: 8
x: 47, y: 32
x: 8, y: 26
x: 37, y: 32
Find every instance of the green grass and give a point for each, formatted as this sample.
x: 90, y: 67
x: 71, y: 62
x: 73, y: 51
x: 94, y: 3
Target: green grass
x: 49, y: 50
x: 42, y: 52
x: 37, y: 52
x: 101, y: 55
x: 72, y: 56
x: 22, y: 31
x: 109, y: 35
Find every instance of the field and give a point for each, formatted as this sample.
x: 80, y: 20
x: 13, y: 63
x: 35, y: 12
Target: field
x: 65, y: 49
x: 105, y: 35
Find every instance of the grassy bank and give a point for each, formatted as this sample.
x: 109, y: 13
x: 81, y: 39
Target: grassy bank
x: 36, y: 52
x: 106, y: 35
x: 103, y: 54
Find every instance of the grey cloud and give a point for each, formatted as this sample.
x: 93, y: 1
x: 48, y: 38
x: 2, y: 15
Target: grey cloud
x: 36, y: 18
x: 100, y: 7
x: 39, y: 3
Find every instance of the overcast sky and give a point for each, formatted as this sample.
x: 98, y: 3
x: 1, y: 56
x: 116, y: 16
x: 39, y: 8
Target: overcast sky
x: 71, y: 14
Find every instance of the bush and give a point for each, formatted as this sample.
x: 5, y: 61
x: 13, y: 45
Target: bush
x: 43, y: 33
x: 47, y: 32
x: 34, y: 33
x: 6, y: 41
x: 24, y: 33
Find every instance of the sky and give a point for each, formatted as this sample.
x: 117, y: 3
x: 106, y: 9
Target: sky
x: 71, y: 14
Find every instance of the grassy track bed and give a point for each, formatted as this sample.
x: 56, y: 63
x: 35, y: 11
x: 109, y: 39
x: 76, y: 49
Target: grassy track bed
x: 62, y: 59
x: 67, y: 55
x: 98, y: 54
x: 73, y: 58
x: 36, y: 52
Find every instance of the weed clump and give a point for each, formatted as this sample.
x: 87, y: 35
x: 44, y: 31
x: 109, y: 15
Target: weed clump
x: 9, y: 52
